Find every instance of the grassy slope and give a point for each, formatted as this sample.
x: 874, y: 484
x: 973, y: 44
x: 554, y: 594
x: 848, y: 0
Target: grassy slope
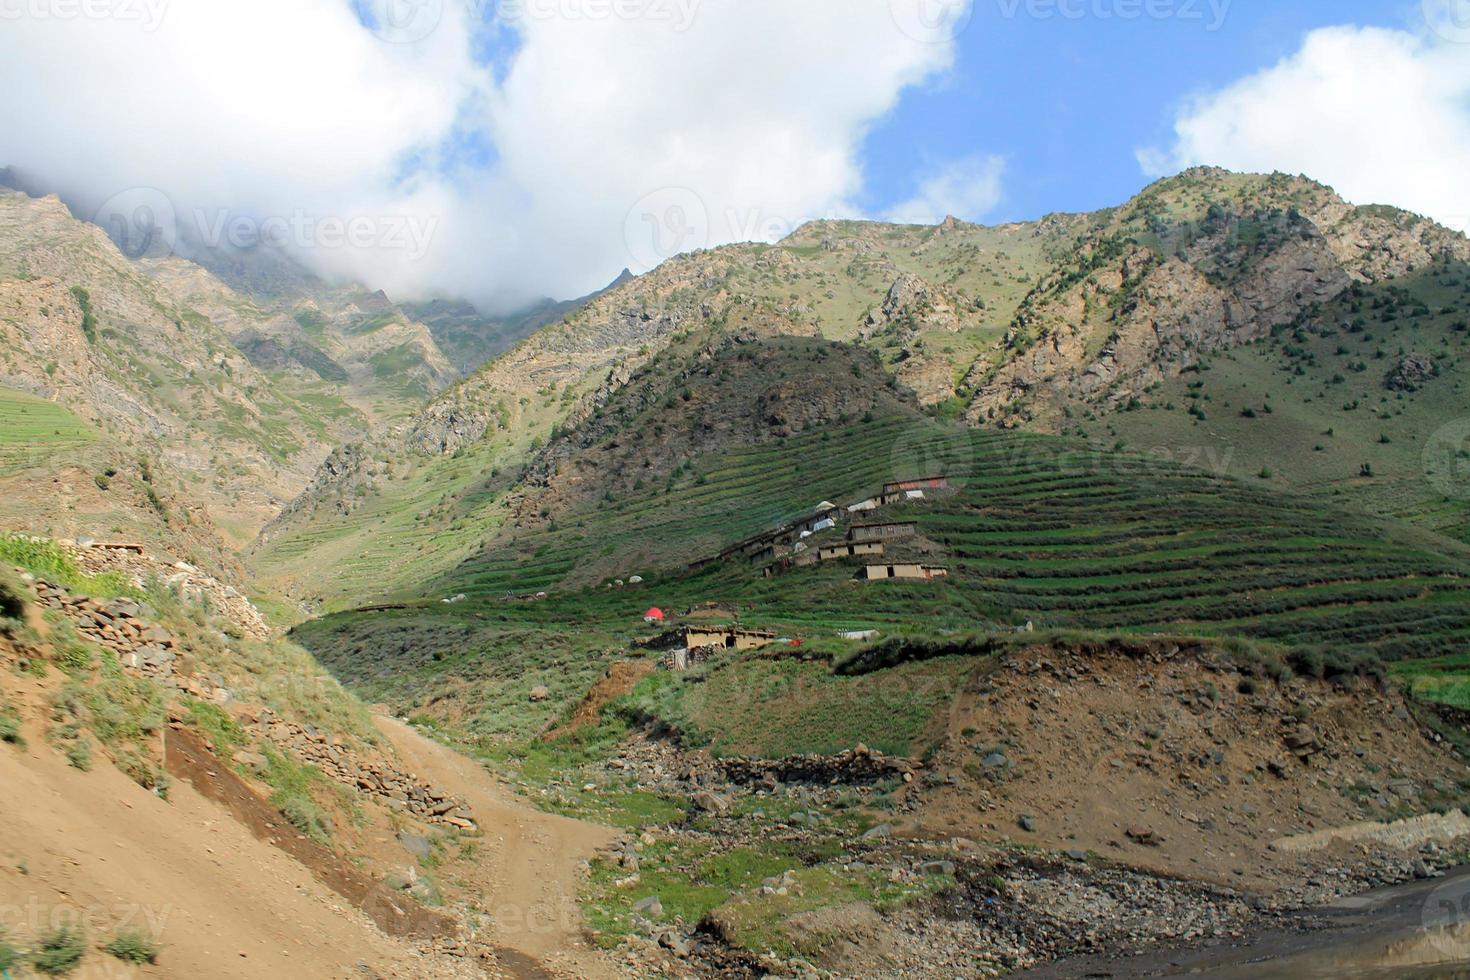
x: 829, y: 276
x: 1329, y: 378
x: 1045, y: 530
x: 34, y: 430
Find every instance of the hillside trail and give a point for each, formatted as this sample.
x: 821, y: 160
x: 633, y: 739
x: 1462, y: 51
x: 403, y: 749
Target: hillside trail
x: 529, y: 863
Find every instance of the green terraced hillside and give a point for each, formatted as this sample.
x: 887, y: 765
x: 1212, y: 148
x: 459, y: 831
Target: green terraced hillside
x: 35, y: 431
x: 1040, y: 530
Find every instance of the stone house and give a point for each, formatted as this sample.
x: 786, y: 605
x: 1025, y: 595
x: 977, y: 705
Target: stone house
x: 863, y: 533
x: 908, y: 573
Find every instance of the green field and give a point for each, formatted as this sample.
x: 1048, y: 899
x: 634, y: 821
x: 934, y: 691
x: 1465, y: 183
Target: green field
x: 1041, y: 530
x: 34, y: 431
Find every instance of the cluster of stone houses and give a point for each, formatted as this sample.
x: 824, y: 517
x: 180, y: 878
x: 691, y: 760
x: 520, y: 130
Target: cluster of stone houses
x: 783, y: 547
x: 689, y: 645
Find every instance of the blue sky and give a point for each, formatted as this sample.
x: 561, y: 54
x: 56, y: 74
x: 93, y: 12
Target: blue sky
x: 1067, y: 102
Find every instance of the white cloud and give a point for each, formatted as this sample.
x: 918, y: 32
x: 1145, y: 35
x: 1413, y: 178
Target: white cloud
x: 967, y: 189
x: 272, y: 108
x: 1383, y: 116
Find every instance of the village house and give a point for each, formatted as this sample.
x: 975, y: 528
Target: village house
x: 696, y: 644
x: 807, y: 557
x: 863, y: 533
x: 849, y: 550
x: 906, y: 486
x: 909, y: 573
x: 767, y: 545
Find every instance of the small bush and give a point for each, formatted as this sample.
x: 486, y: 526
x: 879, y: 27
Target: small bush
x: 79, y: 754
x: 10, y: 730
x: 224, y: 733
x: 133, y: 947
x: 60, y: 951
x: 9, y: 955
x: 89, y: 319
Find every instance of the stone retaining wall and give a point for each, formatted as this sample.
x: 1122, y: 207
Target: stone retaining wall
x: 124, y: 627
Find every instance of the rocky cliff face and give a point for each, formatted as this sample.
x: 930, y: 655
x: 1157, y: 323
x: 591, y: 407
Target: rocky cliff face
x: 1148, y: 296
x: 83, y: 325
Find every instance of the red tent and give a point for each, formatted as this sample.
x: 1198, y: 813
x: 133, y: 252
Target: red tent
x: 654, y: 615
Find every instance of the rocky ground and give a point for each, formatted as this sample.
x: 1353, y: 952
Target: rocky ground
x: 1249, y: 808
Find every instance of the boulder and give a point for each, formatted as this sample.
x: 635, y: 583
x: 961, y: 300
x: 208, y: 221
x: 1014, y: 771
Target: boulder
x: 709, y: 802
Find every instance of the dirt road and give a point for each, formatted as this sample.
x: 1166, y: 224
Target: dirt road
x: 529, y: 864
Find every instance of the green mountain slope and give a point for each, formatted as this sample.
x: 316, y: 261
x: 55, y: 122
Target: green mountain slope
x: 1040, y: 529
x: 1090, y: 324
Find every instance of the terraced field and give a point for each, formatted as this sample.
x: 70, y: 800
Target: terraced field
x: 741, y: 493
x: 33, y: 431
x: 1052, y: 532
x: 1039, y: 530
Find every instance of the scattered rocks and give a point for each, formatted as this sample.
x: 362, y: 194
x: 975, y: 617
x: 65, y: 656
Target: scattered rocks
x: 364, y: 771
x: 119, y: 625
x: 860, y: 766
x: 1144, y: 836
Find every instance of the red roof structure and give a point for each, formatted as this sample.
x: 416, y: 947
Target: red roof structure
x: 654, y: 615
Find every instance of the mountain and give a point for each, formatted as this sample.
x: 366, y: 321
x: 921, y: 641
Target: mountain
x: 957, y: 582
x: 206, y: 410
x: 1100, y: 325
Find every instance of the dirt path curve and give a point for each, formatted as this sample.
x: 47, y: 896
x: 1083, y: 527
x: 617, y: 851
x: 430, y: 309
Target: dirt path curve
x: 528, y: 865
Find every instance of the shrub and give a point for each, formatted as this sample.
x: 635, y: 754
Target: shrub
x: 9, y: 955
x: 133, y: 947
x: 292, y: 784
x: 10, y: 729
x: 89, y: 320
x: 79, y: 754
x: 60, y: 950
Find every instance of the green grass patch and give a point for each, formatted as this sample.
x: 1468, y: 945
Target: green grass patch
x: 292, y: 785
x: 60, y: 950
x: 224, y: 733
x: 48, y: 560
x: 776, y: 708
x: 33, y: 431
x: 133, y: 947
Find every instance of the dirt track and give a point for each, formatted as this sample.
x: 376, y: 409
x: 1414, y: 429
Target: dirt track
x: 529, y: 864
x: 225, y: 900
